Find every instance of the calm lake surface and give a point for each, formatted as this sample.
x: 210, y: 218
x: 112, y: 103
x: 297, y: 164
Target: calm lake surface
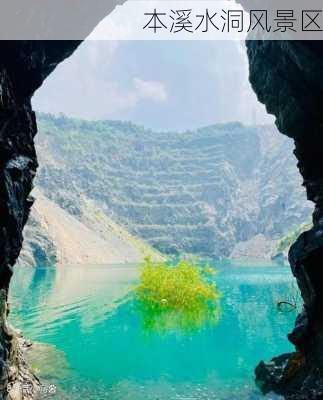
x: 101, y: 349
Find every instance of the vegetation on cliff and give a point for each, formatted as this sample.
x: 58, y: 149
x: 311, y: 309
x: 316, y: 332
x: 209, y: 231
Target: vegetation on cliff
x: 195, y: 192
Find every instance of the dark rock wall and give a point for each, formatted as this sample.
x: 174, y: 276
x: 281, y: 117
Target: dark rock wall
x: 23, y: 67
x: 287, y: 77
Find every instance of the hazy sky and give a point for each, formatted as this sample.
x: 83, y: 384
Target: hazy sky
x: 162, y: 85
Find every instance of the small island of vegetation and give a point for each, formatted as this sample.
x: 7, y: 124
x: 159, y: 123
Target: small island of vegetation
x: 182, y: 295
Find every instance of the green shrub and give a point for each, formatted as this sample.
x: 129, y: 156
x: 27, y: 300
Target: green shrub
x: 181, y: 296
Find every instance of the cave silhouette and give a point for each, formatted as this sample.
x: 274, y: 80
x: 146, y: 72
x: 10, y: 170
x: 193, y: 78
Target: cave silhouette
x: 286, y: 77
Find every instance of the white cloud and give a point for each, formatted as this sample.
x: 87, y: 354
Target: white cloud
x: 92, y: 90
x: 140, y: 90
x: 153, y: 90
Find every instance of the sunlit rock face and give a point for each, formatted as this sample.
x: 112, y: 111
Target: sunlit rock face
x: 226, y: 190
x: 287, y: 77
x: 22, y: 70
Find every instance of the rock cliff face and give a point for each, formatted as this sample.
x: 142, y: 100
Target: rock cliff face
x: 24, y: 65
x: 201, y: 192
x: 53, y: 236
x: 287, y: 77
x: 23, y: 68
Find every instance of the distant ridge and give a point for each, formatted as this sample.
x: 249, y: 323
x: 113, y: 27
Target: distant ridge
x: 219, y: 191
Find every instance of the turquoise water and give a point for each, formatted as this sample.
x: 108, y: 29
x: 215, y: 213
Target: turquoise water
x: 104, y: 352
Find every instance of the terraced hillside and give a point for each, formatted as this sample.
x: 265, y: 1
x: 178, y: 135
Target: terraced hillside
x: 200, y: 192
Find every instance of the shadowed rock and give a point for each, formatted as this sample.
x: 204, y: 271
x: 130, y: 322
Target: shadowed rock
x: 23, y: 67
x: 22, y: 70
x: 287, y: 78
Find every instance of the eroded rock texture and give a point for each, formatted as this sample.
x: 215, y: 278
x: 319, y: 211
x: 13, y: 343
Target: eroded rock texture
x: 23, y: 67
x: 287, y: 77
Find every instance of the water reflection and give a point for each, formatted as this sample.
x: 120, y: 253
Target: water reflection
x: 45, y: 299
x: 88, y: 314
x: 187, y: 321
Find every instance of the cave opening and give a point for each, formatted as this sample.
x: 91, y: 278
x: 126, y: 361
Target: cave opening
x: 84, y: 139
x: 289, y: 374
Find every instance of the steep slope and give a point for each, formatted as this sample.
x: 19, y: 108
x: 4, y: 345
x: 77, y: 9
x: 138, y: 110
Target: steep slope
x: 53, y: 236
x: 198, y: 192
